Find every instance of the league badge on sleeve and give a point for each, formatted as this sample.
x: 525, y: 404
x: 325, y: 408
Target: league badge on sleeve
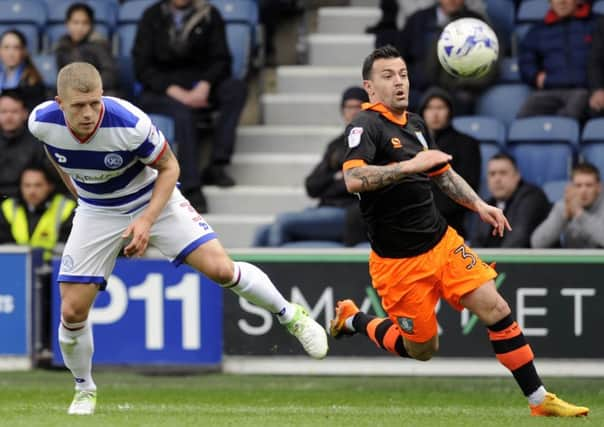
x: 354, y: 137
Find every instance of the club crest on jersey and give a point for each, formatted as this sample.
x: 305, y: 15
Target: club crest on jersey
x: 422, y: 140
x: 406, y: 324
x: 354, y: 137
x: 396, y: 143
x: 113, y: 160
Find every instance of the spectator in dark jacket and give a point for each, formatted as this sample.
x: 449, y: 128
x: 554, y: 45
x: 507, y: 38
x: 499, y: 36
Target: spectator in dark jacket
x: 17, y: 71
x: 82, y: 44
x: 336, y: 210
x: 595, y: 72
x: 524, y: 204
x: 18, y: 147
x: 182, y: 59
x: 553, y: 59
x: 437, y: 110
x: 417, y: 45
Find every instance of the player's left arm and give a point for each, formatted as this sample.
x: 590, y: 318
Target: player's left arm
x: 168, y: 172
x: 460, y: 191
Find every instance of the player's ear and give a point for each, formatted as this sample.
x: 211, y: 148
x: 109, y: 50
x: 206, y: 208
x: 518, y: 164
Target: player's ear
x: 368, y: 86
x: 59, y: 101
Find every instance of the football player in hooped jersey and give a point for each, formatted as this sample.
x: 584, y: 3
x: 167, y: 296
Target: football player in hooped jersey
x: 415, y: 257
x: 123, y: 173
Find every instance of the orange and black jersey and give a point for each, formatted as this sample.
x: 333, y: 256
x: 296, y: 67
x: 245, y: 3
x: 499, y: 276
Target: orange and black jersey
x: 402, y: 219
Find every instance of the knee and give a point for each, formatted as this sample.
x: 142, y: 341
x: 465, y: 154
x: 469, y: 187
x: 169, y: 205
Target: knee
x: 72, y: 312
x: 222, y: 272
x: 423, y: 352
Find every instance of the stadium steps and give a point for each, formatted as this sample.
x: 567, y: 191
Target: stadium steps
x: 237, y: 230
x: 302, y: 79
x: 339, y: 49
x: 256, y: 200
x: 285, y: 139
x: 269, y: 169
x: 347, y: 20
x: 294, y: 109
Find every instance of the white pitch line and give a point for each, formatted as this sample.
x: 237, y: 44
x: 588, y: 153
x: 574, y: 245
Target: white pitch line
x: 296, y: 365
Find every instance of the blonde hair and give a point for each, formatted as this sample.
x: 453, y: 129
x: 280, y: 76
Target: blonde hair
x: 80, y: 76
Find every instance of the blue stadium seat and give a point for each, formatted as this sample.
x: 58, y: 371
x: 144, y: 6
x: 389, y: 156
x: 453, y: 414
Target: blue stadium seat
x: 594, y: 153
x: 23, y: 12
x: 503, y: 101
x: 131, y: 11
x: 491, y: 134
x: 485, y: 129
x: 243, y: 11
x: 529, y: 12
x: 125, y: 34
x: 554, y: 190
x: 165, y: 124
x: 598, y: 7
x: 239, y: 40
x: 501, y: 14
x: 31, y: 33
x: 128, y: 85
x: 47, y: 66
x: 509, y: 72
x: 593, y: 132
x: 544, y: 147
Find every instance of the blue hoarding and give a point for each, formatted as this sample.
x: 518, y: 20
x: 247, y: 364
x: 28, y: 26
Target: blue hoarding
x: 15, y: 303
x: 153, y: 313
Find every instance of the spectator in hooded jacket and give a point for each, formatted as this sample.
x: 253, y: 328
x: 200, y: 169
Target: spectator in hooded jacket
x: 83, y: 44
x: 436, y: 108
x: 553, y: 59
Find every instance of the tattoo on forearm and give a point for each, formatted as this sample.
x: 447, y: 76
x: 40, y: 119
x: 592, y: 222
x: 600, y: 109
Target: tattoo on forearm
x: 456, y: 188
x: 167, y: 155
x: 376, y: 177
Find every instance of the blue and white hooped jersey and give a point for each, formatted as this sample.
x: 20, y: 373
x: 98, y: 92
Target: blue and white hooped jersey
x: 109, y: 169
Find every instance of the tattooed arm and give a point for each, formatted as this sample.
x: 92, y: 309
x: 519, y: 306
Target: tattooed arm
x: 371, y: 177
x: 168, y: 171
x: 460, y: 191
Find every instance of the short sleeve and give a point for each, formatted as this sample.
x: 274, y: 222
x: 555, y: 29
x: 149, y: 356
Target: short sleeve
x: 33, y: 124
x: 361, y: 140
x: 153, y: 143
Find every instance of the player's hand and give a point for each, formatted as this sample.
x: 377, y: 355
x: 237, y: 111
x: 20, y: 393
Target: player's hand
x: 428, y: 159
x: 540, y: 79
x: 495, y: 217
x: 138, y: 230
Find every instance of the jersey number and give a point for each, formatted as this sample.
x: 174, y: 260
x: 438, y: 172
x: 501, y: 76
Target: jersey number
x: 466, y: 255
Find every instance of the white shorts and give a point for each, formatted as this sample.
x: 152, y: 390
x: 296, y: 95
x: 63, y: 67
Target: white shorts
x: 95, y: 239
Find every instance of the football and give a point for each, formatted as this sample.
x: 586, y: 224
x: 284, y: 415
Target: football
x: 467, y: 48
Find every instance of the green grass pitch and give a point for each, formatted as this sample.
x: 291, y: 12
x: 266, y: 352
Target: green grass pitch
x: 40, y: 398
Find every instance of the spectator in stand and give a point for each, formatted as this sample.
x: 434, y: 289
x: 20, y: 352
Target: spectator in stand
x: 525, y: 205
x: 417, y: 44
x: 576, y: 221
x: 595, y: 72
x: 554, y: 58
x: 38, y: 216
x: 335, y: 219
x: 18, y: 147
x: 436, y: 108
x: 17, y: 70
x: 182, y: 59
x: 83, y: 44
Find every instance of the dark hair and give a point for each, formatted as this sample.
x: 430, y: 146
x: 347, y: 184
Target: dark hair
x: 37, y: 167
x: 505, y: 156
x: 80, y: 7
x: 586, y: 168
x: 383, y: 52
x: 15, y: 95
x: 30, y: 74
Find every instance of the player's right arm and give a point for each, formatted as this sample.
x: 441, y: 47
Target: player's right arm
x: 364, y: 177
x: 64, y: 177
